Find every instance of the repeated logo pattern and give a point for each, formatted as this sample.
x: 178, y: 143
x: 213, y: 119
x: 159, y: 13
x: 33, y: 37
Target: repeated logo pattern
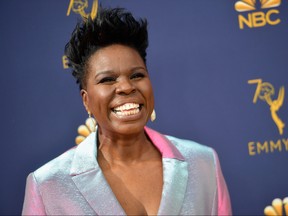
x: 248, y: 5
x: 85, y: 129
x: 278, y: 208
x: 265, y: 91
x: 80, y: 7
x: 257, y: 17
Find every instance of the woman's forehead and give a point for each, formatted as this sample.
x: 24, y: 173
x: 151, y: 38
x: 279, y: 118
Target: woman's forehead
x: 115, y: 57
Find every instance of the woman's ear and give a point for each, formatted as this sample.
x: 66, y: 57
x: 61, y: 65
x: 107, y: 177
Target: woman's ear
x: 85, y: 99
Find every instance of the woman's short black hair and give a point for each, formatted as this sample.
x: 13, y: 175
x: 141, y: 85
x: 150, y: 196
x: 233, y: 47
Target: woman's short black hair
x: 111, y: 26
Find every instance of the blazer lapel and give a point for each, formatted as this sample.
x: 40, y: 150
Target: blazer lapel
x: 90, y: 181
x: 175, y: 174
x: 174, y: 187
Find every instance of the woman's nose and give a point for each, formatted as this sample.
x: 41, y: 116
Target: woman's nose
x: 125, y: 86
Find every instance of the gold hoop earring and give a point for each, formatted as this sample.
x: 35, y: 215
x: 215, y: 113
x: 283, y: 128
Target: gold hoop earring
x: 91, y: 122
x: 153, y: 116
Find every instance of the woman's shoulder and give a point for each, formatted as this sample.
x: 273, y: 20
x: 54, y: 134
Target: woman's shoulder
x: 56, y: 167
x: 191, y: 149
x: 171, y: 146
x: 189, y: 144
x: 76, y: 159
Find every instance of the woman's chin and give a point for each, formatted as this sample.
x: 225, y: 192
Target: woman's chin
x: 129, y: 127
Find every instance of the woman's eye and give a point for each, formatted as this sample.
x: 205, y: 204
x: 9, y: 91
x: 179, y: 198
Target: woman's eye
x: 137, y: 76
x: 107, y: 80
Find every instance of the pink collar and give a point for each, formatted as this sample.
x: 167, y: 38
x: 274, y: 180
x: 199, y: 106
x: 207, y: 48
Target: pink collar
x: 165, y: 147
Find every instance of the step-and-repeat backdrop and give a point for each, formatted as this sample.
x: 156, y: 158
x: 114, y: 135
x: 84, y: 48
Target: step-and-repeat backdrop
x: 219, y: 71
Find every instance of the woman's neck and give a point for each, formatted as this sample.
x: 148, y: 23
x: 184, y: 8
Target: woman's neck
x: 126, y: 149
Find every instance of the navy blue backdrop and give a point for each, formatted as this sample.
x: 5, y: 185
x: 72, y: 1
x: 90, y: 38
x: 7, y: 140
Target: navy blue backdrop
x: 208, y: 61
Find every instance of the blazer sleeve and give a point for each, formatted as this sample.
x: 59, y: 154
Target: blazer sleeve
x: 33, y: 204
x: 224, y: 205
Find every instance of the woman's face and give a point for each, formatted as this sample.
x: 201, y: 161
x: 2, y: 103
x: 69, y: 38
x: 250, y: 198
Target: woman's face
x: 118, y: 90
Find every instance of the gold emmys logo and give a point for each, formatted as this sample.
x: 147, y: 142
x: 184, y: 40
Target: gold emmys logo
x: 259, y: 18
x: 277, y: 207
x: 79, y: 7
x: 265, y: 91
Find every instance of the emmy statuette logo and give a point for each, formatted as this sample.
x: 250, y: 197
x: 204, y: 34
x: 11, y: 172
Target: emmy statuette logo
x: 79, y: 7
x: 265, y: 92
x: 258, y: 18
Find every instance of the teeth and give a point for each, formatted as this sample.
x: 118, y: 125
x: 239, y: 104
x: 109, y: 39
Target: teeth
x: 126, y: 107
x: 127, y: 113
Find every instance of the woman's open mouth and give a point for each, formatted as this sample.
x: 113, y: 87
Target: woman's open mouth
x: 127, y: 109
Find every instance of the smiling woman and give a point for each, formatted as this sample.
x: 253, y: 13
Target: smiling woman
x: 117, y: 76
x: 123, y: 167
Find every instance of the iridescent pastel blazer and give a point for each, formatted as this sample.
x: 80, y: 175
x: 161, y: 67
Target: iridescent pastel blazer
x: 73, y: 183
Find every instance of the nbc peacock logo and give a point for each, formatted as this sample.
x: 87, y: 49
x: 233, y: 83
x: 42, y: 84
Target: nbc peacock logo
x: 278, y: 208
x: 257, y: 16
x: 248, y: 5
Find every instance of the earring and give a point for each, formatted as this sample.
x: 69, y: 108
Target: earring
x: 153, y: 116
x: 91, y: 123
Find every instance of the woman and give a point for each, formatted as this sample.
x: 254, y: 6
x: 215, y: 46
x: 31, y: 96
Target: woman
x: 124, y: 167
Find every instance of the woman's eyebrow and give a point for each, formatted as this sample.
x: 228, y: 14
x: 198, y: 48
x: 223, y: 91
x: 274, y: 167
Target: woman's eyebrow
x: 110, y: 72
x: 105, y: 72
x: 138, y: 67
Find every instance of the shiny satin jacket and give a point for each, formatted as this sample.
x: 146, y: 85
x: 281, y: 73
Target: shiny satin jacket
x: 73, y: 183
